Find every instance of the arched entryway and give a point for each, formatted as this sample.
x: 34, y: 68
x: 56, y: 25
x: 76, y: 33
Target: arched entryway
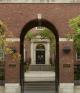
x: 26, y: 28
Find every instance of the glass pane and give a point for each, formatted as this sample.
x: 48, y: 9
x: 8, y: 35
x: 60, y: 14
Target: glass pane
x: 78, y: 55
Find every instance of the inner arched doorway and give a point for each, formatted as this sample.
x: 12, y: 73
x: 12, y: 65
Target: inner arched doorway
x: 40, y: 54
x: 26, y: 28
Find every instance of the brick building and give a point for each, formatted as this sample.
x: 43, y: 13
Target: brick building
x: 19, y: 19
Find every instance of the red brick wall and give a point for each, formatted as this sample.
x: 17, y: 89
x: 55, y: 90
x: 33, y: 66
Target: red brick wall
x: 15, y: 16
x: 66, y: 63
x: 12, y: 65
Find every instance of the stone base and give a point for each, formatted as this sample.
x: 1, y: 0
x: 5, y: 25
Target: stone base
x: 77, y: 89
x: 12, y: 88
x: 66, y: 88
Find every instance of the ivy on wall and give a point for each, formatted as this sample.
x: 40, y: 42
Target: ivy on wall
x: 75, y: 25
x: 2, y: 35
x: 3, y: 42
x: 4, y: 45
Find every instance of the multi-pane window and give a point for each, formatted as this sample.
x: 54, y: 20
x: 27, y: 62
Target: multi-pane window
x: 77, y: 74
x: 78, y: 56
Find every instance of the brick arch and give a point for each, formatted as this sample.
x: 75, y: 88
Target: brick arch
x: 31, y: 24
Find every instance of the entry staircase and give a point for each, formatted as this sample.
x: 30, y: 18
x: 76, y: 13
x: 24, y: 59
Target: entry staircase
x: 40, y: 77
x: 31, y: 76
x: 39, y: 85
x: 39, y: 80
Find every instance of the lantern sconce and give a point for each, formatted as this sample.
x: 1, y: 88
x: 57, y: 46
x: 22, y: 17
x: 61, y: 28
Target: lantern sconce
x: 66, y: 49
x: 14, y: 50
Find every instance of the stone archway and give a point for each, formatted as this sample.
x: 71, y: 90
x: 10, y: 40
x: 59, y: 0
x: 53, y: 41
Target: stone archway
x: 26, y: 28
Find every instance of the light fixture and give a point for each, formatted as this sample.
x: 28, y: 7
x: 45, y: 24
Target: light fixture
x: 66, y: 49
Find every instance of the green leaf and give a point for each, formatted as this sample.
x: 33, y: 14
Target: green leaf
x: 75, y: 25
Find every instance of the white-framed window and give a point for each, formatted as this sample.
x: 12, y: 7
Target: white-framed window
x: 77, y: 56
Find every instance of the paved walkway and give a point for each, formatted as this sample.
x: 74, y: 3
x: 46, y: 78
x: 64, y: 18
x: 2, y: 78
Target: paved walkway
x: 37, y: 76
x: 1, y: 89
x: 39, y: 91
x: 76, y: 90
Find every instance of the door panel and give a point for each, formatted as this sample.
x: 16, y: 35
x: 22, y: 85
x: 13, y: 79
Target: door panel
x: 40, y: 57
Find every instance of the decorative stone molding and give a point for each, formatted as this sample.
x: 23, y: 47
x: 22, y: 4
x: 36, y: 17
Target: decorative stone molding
x: 40, y: 40
x: 34, y: 43
x: 65, y: 39
x: 39, y: 1
x: 66, y: 88
x: 13, y: 39
x: 12, y: 88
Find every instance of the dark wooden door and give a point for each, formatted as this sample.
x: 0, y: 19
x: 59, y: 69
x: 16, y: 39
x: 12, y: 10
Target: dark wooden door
x: 40, y: 57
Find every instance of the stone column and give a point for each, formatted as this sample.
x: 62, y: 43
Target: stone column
x: 66, y: 66
x: 32, y: 53
x: 47, y: 53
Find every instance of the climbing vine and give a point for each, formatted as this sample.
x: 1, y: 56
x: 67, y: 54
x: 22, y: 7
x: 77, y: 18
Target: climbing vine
x: 75, y: 25
x: 4, y: 45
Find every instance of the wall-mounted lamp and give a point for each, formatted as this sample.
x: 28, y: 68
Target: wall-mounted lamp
x: 14, y: 50
x: 66, y: 49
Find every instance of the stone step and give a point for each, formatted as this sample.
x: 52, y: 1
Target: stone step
x: 41, y: 68
x: 39, y: 76
x: 39, y: 85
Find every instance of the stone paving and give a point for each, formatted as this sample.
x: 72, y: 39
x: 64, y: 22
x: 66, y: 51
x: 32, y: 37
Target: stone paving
x: 1, y: 89
x: 39, y: 91
x: 76, y: 90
